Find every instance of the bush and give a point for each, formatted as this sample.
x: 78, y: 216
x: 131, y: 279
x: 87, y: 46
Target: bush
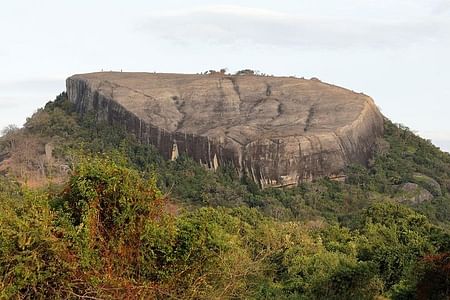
x: 34, y: 262
x: 108, y: 206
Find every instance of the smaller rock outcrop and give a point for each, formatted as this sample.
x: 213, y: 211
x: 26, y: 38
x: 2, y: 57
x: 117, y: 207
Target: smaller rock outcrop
x: 414, y: 194
x: 428, y: 183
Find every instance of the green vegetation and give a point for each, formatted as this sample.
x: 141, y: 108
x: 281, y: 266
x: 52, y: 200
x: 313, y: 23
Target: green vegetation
x: 116, y: 221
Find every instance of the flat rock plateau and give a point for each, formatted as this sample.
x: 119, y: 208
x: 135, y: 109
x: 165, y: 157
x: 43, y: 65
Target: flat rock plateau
x: 277, y: 130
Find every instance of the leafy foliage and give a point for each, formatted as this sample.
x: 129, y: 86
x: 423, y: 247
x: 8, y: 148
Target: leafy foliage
x: 124, y: 223
x: 34, y: 261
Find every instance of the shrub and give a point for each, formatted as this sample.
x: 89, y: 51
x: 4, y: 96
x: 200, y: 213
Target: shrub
x: 34, y: 262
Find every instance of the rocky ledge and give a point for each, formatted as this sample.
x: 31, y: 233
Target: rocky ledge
x: 277, y: 130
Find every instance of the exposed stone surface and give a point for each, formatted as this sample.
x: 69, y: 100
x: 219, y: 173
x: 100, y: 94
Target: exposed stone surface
x: 428, y: 183
x: 413, y: 193
x: 278, y: 130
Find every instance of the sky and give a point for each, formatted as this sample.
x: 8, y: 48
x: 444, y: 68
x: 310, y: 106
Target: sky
x: 396, y: 51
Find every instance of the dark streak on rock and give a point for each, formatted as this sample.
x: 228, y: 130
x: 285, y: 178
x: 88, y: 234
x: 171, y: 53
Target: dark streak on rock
x: 309, y: 118
x: 179, y: 104
x: 280, y: 109
x: 235, y: 86
x: 268, y: 90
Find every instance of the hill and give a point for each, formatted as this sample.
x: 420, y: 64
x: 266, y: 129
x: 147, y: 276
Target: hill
x: 277, y: 130
x: 90, y: 211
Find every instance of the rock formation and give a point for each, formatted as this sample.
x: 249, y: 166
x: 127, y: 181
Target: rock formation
x: 277, y: 130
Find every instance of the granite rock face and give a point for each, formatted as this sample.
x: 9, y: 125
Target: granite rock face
x: 277, y: 130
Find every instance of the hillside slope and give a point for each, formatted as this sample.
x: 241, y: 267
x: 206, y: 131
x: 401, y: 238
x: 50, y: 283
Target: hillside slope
x: 112, y: 218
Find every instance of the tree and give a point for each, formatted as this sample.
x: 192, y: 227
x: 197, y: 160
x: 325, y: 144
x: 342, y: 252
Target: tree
x: 393, y: 237
x: 9, y: 129
x: 434, y: 278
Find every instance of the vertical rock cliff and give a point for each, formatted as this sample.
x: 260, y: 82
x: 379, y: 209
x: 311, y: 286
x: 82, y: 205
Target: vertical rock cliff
x: 277, y: 130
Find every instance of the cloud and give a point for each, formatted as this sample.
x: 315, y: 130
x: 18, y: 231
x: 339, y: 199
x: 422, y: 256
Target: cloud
x: 442, y: 7
x: 226, y: 24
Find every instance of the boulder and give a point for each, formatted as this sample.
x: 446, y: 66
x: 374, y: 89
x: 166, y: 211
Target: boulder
x: 413, y: 193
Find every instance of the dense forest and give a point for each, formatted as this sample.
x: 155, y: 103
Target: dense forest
x: 87, y: 212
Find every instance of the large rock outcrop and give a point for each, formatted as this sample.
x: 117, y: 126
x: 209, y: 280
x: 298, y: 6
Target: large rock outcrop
x: 277, y: 130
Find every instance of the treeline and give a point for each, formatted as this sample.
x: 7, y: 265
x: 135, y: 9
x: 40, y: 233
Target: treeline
x: 111, y: 233
x: 117, y: 221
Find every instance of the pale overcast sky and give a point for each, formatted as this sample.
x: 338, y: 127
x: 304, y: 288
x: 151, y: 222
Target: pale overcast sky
x: 396, y: 51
